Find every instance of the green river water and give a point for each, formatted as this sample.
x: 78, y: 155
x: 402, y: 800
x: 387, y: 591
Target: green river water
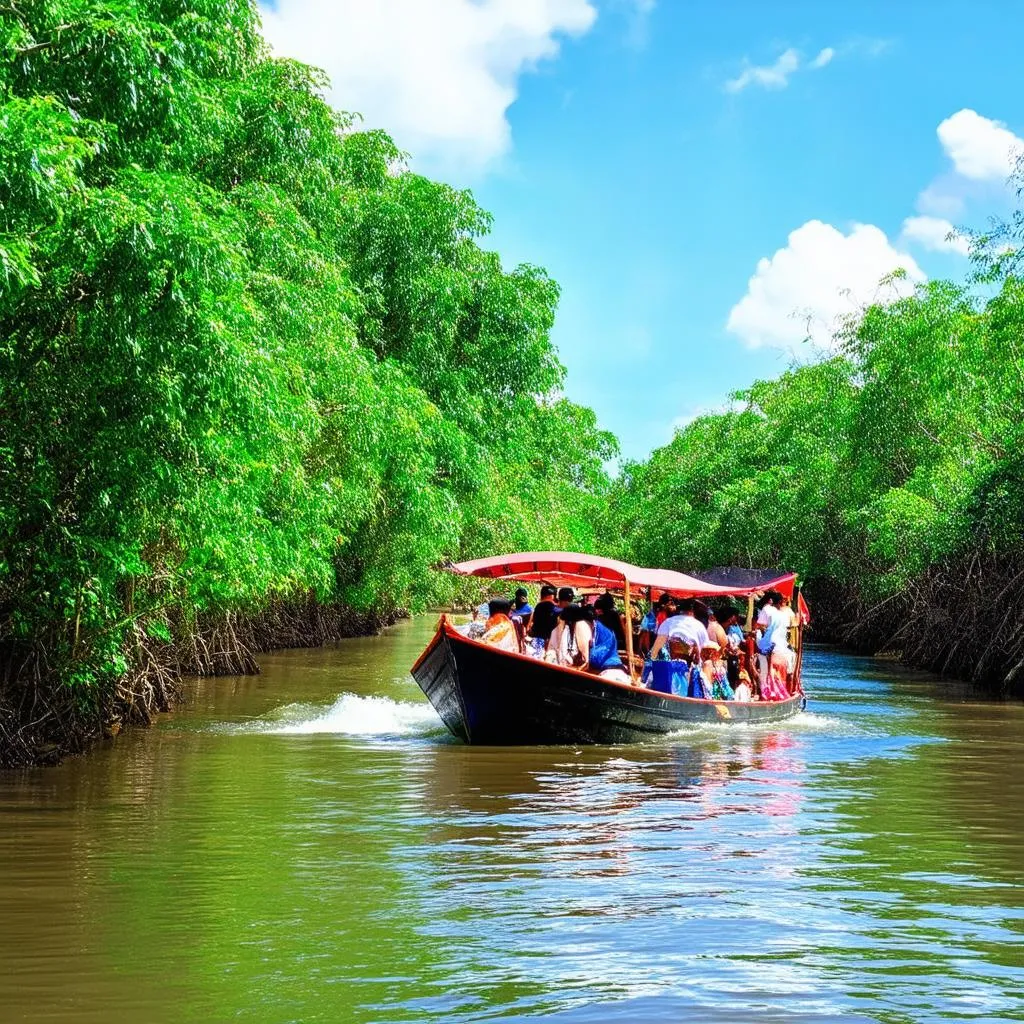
x: 309, y: 845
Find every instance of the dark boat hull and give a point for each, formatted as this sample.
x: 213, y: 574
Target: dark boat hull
x: 488, y: 696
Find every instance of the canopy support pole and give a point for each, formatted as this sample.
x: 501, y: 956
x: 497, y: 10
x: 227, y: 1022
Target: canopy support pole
x: 629, y: 632
x: 799, y: 667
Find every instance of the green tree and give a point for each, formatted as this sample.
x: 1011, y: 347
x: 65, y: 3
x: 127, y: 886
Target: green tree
x: 246, y: 357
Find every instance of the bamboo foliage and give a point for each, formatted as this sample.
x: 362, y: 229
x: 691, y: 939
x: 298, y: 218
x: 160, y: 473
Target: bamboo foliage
x: 245, y: 356
x: 889, y: 476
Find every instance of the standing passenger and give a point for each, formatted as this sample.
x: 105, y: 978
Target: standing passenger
x: 773, y: 649
x: 683, y: 627
x: 792, y: 620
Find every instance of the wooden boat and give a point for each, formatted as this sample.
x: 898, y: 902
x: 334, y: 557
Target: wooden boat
x: 485, y: 695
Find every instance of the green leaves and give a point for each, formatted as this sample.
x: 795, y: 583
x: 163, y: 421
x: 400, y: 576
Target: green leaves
x: 244, y: 354
x: 42, y: 158
x: 870, y: 469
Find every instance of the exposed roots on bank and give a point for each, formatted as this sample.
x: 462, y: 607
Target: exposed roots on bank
x: 44, y: 717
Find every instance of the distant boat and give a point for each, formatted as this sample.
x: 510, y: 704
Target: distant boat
x: 485, y: 695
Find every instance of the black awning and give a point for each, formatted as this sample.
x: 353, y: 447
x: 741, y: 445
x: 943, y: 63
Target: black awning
x: 740, y: 579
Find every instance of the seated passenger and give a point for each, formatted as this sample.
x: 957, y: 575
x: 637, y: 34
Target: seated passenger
x: 734, y: 628
x: 604, y: 652
x: 521, y: 606
x: 649, y: 627
x: 699, y: 686
x: 728, y: 619
x: 660, y: 610
x: 609, y: 617
x: 716, y: 629
x: 743, y: 691
x: 500, y: 631
x: 570, y: 641
x: 542, y: 621
x: 682, y: 627
x: 716, y: 675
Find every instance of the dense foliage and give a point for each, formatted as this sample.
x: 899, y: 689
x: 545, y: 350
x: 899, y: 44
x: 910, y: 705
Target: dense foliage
x: 891, y: 476
x: 245, y: 355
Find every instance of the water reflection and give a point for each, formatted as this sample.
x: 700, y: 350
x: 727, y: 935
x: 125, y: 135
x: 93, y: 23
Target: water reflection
x: 307, y: 846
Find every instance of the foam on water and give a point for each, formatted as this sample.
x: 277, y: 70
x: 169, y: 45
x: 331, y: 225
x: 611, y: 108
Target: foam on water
x: 802, y: 721
x: 352, y: 715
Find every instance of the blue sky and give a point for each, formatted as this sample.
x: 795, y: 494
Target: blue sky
x: 607, y: 141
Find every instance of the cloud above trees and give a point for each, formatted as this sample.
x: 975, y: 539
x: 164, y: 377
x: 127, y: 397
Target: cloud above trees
x: 438, y: 76
x: 822, y: 273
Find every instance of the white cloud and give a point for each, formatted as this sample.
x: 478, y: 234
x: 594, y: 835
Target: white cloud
x: 935, y: 234
x: 777, y: 75
x: 774, y: 76
x: 820, y: 276
x: 639, y: 22
x: 438, y: 76
x: 941, y: 198
x: 983, y: 153
x: 822, y: 59
x: 636, y: 14
x: 980, y: 148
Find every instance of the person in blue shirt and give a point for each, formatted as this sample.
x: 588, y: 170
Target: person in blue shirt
x: 521, y: 608
x: 729, y: 619
x: 608, y: 615
x: 604, y: 657
x: 662, y: 609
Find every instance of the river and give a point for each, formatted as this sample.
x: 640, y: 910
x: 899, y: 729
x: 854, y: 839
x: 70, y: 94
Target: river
x: 308, y: 845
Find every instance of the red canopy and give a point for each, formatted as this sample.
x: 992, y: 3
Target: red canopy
x: 569, y: 569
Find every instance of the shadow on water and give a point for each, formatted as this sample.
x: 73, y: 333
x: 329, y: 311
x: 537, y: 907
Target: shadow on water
x: 310, y: 845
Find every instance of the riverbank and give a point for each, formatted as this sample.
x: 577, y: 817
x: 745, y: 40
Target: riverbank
x: 43, y: 719
x: 960, y: 620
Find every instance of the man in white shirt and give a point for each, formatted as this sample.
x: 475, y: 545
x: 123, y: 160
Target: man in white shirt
x: 682, y: 627
x: 773, y: 626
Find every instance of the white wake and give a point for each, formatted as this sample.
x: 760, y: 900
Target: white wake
x: 352, y: 715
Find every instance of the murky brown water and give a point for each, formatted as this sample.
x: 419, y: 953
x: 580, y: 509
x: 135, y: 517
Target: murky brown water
x: 308, y: 845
